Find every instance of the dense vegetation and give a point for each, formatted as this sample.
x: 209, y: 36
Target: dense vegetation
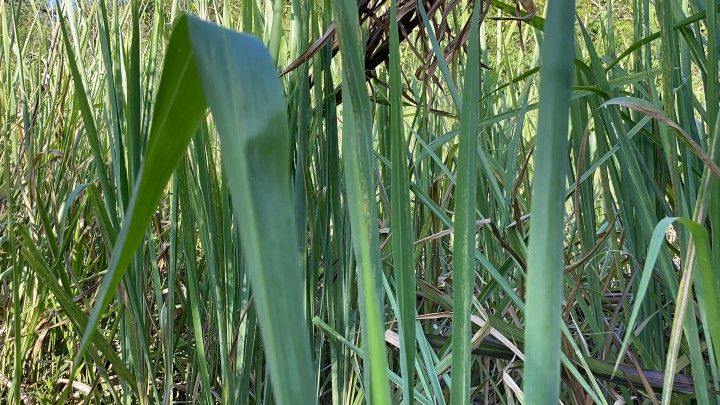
x: 379, y: 201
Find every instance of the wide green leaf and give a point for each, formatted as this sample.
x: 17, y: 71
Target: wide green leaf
x: 233, y: 75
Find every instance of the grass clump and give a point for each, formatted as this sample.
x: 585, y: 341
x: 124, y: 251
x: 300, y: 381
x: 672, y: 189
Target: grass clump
x: 377, y: 201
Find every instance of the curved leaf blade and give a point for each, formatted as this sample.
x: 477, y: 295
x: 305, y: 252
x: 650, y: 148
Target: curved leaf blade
x: 236, y: 76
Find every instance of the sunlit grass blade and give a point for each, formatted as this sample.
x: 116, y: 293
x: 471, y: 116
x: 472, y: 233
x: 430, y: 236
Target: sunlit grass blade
x: 248, y: 107
x: 74, y: 313
x: 255, y: 145
x: 89, y: 125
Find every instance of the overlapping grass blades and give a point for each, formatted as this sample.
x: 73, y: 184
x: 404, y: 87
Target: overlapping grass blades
x: 231, y: 74
x: 705, y: 285
x: 362, y: 207
x: 79, y: 96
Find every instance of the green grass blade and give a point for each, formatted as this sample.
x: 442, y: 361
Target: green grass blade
x: 401, y: 221
x: 74, y: 313
x: 192, y: 284
x: 707, y: 293
x: 541, y: 374
x: 362, y: 209
x: 89, y: 124
x: 248, y: 106
x: 255, y: 144
x: 439, y: 56
x: 179, y: 83
x: 465, y: 229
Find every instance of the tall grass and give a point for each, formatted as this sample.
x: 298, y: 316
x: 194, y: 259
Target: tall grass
x: 545, y: 261
x: 379, y: 201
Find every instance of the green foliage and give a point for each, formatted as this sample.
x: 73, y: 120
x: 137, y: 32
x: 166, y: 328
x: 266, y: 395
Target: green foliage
x: 435, y: 202
x: 541, y: 381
